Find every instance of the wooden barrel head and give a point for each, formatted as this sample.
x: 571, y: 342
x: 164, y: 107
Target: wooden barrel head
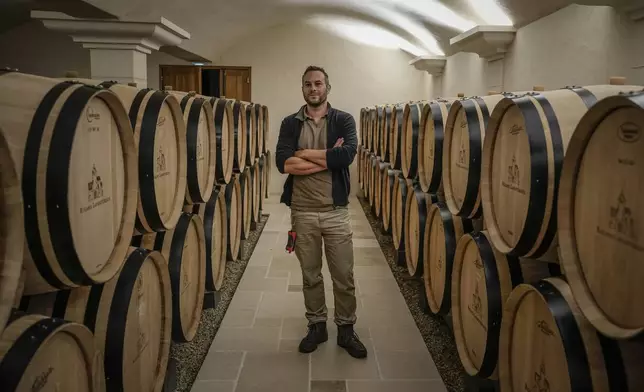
x: 202, y: 152
x: 256, y: 192
x: 599, y: 210
x: 247, y: 202
x: 225, y: 139
x: 40, y: 353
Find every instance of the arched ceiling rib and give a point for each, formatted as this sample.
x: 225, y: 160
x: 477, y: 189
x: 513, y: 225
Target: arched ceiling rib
x: 216, y: 24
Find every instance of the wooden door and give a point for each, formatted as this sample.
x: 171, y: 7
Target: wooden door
x: 237, y: 83
x: 181, y: 78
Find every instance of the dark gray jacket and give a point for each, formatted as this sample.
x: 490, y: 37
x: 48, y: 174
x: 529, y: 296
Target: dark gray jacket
x: 340, y: 124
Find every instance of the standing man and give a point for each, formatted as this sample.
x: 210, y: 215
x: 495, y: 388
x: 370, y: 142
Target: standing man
x: 316, y: 146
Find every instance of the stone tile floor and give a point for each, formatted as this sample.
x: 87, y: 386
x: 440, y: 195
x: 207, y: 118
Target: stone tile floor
x: 255, y: 349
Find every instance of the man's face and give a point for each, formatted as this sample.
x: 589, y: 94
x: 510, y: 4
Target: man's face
x: 314, y: 88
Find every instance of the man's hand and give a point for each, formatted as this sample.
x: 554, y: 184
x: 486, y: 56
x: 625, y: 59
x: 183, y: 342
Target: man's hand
x: 301, y: 167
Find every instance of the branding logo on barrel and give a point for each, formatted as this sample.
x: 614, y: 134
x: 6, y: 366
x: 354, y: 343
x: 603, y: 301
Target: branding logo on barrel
x: 161, y: 165
x: 95, y: 192
x: 200, y: 156
x: 540, y: 382
x: 621, y: 224
x: 514, y: 177
x: 462, y: 156
x: 92, y: 115
x: 629, y: 132
x: 161, y: 121
x: 476, y: 306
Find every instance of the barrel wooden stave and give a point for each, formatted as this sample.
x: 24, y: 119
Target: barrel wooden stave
x: 36, y: 351
x: 600, y: 247
x: 256, y: 206
x: 442, y: 234
x: 268, y: 175
x: 482, y: 280
x: 546, y: 341
x: 58, y: 145
x: 184, y: 248
x: 395, y: 137
x: 518, y: 192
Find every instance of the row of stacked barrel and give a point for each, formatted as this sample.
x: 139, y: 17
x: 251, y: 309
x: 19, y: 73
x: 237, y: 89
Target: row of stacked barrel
x: 519, y: 213
x: 119, y: 208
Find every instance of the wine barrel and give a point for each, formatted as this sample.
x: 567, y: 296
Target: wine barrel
x: 12, y: 232
x: 225, y: 138
x: 239, y: 132
x: 395, y: 137
x: 482, y: 280
x: 409, y: 139
x: 547, y: 344
x: 130, y: 316
x: 402, y: 188
x: 363, y: 113
x: 369, y: 124
x: 255, y: 187
x: 234, y: 207
x: 430, y: 144
x: 389, y: 181
x: 245, y: 185
x: 160, y: 137
x: 266, y: 127
x: 201, y: 146
x: 184, y: 248
x: 37, y: 352
x: 251, y: 132
x: 214, y: 217
x: 442, y: 233
x: 523, y: 153
x: 600, y: 243
x: 259, y: 127
x: 462, y: 153
x: 416, y: 206
x: 73, y: 151
x: 359, y: 159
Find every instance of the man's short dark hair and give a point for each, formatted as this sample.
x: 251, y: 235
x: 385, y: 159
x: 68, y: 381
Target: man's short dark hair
x: 312, y: 68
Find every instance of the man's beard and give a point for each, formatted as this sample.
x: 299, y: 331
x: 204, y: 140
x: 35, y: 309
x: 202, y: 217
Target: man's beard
x: 315, y: 104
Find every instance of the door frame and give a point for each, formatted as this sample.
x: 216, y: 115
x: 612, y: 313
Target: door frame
x: 219, y: 67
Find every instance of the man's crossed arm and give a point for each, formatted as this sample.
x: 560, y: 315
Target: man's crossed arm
x: 308, y: 161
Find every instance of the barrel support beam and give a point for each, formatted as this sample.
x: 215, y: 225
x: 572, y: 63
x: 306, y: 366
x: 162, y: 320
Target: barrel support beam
x: 118, y: 48
x: 489, y: 42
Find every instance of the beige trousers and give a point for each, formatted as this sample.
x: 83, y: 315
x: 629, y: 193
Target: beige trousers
x: 334, y: 229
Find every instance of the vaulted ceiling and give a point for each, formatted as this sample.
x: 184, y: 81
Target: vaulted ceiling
x: 425, y: 25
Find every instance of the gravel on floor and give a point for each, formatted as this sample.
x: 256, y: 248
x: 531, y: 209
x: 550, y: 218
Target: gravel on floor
x: 435, y: 331
x: 190, y: 356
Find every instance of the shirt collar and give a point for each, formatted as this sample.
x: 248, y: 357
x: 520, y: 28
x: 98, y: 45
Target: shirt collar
x: 302, y: 116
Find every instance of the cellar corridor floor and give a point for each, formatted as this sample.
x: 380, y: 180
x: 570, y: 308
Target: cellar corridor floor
x: 255, y: 349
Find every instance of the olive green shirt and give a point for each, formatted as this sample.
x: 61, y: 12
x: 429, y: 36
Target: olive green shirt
x: 312, y: 192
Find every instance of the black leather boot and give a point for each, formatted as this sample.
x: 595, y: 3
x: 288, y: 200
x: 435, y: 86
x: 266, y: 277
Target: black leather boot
x: 349, y: 340
x: 317, y: 334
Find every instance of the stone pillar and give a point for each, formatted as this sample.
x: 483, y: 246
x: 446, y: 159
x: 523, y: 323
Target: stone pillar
x: 118, y: 48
